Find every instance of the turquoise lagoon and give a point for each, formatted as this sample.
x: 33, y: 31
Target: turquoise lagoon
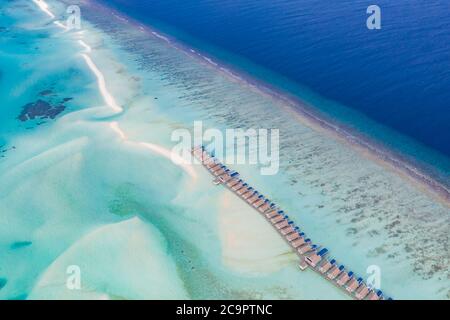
x: 93, y: 188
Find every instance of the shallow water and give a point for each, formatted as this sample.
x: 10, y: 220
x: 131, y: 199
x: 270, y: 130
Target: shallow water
x: 93, y: 177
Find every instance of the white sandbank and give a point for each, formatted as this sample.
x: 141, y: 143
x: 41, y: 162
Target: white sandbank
x: 249, y: 243
x: 105, y: 256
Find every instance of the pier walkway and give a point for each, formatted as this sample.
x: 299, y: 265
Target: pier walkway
x: 311, y: 256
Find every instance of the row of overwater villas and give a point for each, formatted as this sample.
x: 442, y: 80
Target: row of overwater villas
x: 313, y: 255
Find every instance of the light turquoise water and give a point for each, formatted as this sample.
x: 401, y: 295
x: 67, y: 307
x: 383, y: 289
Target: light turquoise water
x: 83, y: 195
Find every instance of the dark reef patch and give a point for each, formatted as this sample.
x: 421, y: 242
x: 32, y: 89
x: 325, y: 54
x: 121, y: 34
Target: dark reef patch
x: 40, y: 110
x: 3, y: 283
x: 4, y: 150
x: 46, y: 92
x: 20, y: 244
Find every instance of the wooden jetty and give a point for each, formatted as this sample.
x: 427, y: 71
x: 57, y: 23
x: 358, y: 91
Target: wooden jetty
x: 311, y: 256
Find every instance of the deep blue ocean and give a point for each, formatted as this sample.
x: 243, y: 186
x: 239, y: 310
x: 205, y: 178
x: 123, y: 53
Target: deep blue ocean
x: 398, y: 76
